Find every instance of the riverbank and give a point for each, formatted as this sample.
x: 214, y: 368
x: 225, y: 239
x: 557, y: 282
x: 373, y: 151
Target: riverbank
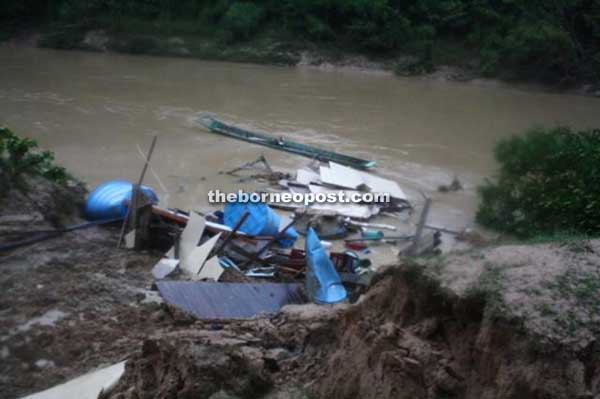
x: 505, y: 321
x: 453, y: 65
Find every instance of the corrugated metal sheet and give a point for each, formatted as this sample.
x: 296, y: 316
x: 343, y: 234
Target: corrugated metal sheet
x: 208, y: 300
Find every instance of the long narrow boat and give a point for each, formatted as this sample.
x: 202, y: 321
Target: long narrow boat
x: 280, y: 143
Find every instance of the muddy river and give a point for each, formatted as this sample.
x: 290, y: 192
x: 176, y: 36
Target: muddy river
x: 94, y: 110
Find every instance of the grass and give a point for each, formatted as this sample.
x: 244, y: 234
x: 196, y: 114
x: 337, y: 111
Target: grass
x: 489, y: 287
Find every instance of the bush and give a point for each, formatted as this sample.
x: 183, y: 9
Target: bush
x: 375, y: 25
x: 213, y: 13
x: 540, y: 51
x: 19, y: 157
x: 243, y: 19
x: 317, y: 29
x: 548, y: 182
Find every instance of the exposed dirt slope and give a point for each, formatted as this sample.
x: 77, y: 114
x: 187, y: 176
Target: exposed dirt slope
x: 507, y: 322
x: 68, y: 304
x: 408, y: 337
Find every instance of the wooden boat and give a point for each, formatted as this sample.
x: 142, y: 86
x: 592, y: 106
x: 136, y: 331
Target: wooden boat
x: 279, y: 143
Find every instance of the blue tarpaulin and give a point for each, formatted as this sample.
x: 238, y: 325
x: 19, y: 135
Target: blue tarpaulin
x: 110, y: 200
x: 323, y: 282
x: 262, y: 221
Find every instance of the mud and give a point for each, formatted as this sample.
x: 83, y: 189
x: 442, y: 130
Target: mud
x: 406, y: 338
x: 68, y: 304
x: 460, y: 326
x: 409, y: 338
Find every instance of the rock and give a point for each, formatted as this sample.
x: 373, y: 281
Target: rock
x: 189, y: 369
x: 176, y: 41
x: 96, y: 40
x: 389, y: 330
x: 253, y: 356
x: 277, y: 354
x: 44, y: 363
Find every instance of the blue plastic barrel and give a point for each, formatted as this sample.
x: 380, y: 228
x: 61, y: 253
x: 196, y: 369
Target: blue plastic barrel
x: 262, y: 221
x: 110, y: 199
x: 324, y: 284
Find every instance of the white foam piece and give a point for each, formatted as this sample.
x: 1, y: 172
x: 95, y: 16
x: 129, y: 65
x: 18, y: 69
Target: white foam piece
x: 87, y: 386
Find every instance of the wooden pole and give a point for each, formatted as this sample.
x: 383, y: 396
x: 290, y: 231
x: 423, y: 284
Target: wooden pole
x: 150, y: 151
x: 412, y: 251
x: 231, y: 235
x: 131, y: 216
x: 278, y: 236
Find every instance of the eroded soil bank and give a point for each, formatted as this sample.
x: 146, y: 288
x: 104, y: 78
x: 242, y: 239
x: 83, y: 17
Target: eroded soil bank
x: 506, y: 322
x: 407, y: 338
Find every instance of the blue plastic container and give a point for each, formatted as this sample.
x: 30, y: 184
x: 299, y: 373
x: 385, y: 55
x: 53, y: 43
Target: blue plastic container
x: 262, y: 221
x: 110, y: 200
x: 324, y: 284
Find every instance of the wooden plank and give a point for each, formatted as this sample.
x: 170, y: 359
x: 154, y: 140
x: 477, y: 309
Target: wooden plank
x: 192, y: 264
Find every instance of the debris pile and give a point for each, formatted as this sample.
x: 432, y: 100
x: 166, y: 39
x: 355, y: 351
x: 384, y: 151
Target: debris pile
x: 246, y: 262
x: 249, y: 241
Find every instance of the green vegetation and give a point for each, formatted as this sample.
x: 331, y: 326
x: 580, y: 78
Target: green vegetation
x: 242, y: 20
x: 489, y: 289
x: 582, y: 289
x: 554, y: 41
x: 548, y: 184
x: 19, y: 158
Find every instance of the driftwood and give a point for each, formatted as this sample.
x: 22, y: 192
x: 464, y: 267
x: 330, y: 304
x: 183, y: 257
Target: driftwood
x: 251, y: 165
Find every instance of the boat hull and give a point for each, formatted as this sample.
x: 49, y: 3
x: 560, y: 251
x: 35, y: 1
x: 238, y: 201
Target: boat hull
x: 266, y: 140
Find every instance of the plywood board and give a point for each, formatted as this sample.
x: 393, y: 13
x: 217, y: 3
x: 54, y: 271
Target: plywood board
x: 305, y: 176
x: 164, y: 267
x: 340, y: 178
x: 355, y: 178
x: 211, y: 270
x: 191, y: 235
x: 192, y: 264
x: 349, y: 210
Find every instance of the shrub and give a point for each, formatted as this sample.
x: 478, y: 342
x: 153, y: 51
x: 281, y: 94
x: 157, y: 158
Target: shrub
x: 541, y: 51
x: 548, y: 182
x: 212, y: 13
x: 243, y: 19
x: 375, y: 25
x: 19, y: 157
x: 317, y: 29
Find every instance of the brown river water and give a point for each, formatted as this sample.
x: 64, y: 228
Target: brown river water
x: 93, y: 110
